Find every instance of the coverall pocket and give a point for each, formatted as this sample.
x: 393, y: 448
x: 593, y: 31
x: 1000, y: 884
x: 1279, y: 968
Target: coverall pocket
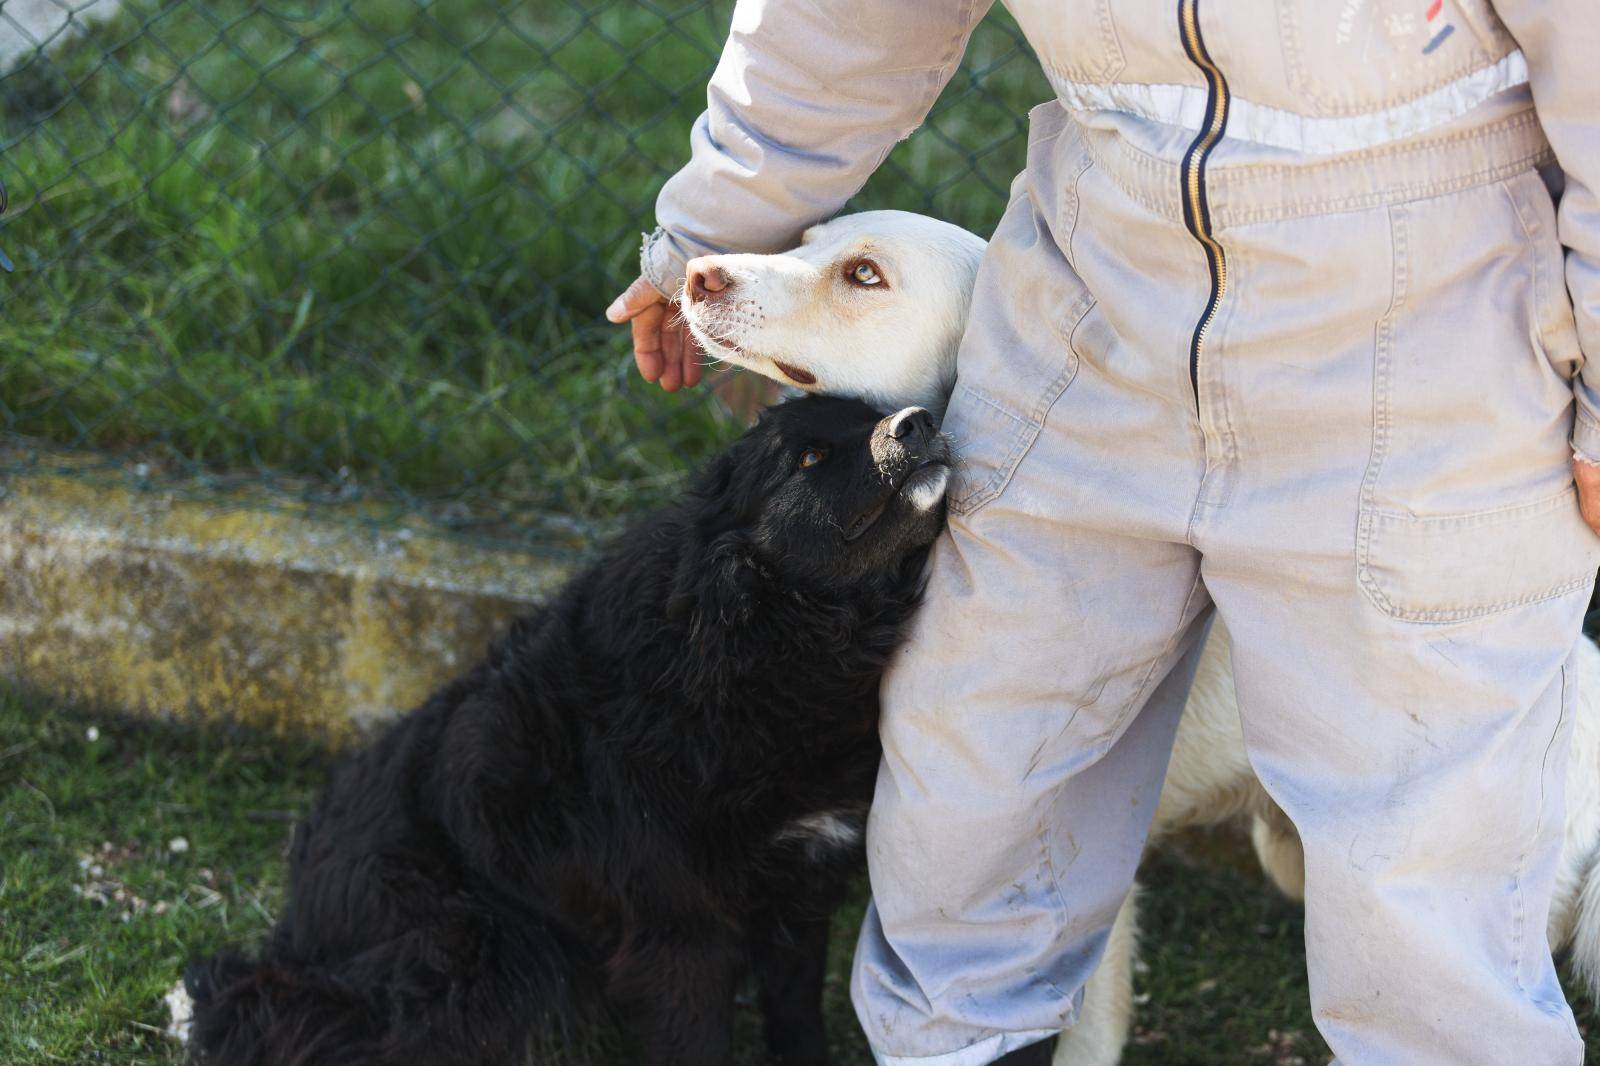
x: 1017, y: 356
x: 990, y: 442
x: 1450, y: 568
x: 1358, y: 59
x: 992, y: 434
x: 1468, y: 507
x: 994, y: 417
x: 1092, y: 52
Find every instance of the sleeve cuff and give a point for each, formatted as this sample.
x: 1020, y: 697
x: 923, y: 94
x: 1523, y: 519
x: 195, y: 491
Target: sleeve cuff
x: 661, y: 264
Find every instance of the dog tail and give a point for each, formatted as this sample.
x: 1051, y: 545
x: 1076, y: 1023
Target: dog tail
x: 253, y: 1014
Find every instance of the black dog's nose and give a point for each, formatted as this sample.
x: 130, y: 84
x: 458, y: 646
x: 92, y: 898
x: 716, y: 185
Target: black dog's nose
x: 913, y: 422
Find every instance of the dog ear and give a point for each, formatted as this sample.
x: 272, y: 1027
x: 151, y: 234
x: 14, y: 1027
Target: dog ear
x: 714, y: 510
x: 717, y: 577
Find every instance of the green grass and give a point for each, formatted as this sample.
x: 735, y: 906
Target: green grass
x: 368, y: 242
x: 98, y: 911
x: 81, y: 980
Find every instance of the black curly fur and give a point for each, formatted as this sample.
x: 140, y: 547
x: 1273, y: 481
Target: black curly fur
x: 593, y: 819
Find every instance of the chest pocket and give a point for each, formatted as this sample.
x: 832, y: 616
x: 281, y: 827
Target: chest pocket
x: 1074, y: 39
x: 1350, y: 57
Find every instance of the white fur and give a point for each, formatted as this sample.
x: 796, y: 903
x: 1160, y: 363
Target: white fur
x: 180, y: 1013
x: 1575, y: 911
x: 828, y: 827
x: 824, y: 832
x: 900, y: 352
x: 892, y: 344
x: 1106, y: 1013
x: 926, y: 487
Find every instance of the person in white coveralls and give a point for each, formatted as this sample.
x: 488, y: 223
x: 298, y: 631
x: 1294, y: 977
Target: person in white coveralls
x: 1286, y: 320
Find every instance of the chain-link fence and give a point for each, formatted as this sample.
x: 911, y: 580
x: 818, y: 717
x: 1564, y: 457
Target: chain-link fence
x: 355, y: 252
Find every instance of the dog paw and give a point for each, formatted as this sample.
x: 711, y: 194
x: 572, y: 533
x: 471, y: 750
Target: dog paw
x: 180, y: 1013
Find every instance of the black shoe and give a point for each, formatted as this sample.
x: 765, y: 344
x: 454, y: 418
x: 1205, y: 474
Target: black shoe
x: 1038, y: 1054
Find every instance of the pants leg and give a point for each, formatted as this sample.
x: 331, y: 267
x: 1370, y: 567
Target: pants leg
x: 1008, y: 821
x: 1020, y: 774
x: 1431, y: 826
x: 1389, y: 533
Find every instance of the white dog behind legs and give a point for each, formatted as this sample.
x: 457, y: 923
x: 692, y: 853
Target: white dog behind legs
x: 873, y: 306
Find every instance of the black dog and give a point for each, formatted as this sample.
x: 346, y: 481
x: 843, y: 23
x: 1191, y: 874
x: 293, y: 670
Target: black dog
x: 654, y: 782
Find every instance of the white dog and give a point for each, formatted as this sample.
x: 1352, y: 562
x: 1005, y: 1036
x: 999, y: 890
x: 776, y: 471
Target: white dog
x: 873, y: 305
x: 870, y: 306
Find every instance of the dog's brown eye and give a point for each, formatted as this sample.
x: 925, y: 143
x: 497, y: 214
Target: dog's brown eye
x: 810, y: 457
x: 865, y: 273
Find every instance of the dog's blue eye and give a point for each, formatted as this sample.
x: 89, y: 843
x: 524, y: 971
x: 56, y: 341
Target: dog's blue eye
x: 865, y: 273
x: 810, y: 457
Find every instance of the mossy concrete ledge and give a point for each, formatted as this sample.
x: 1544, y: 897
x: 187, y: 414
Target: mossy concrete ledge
x: 127, y: 600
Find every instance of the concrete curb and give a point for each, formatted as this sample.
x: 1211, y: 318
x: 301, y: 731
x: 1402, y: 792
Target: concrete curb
x: 151, y: 603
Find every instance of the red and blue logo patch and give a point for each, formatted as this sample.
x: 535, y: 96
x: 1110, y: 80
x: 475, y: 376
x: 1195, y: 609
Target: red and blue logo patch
x: 1440, y: 32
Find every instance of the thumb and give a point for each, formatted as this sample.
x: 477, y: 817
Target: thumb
x: 636, y: 298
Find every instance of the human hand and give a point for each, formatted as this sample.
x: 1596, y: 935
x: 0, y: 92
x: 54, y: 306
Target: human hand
x: 1587, y: 476
x: 663, y: 348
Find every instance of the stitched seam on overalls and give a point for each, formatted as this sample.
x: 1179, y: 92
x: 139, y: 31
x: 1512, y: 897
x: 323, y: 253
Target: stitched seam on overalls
x: 1072, y: 228
x: 1021, y: 440
x: 1471, y: 519
x: 1274, y: 172
x: 984, y: 398
x: 1134, y: 171
x: 1230, y: 454
x: 973, y: 497
x: 1492, y: 153
x: 1112, y: 58
x: 1507, y: 126
x: 1139, y: 161
x: 1376, y: 518
x: 1444, y: 615
x: 1379, y: 197
x: 982, y: 494
x: 1370, y: 515
x: 1538, y: 824
x: 1543, y: 287
x: 1031, y: 426
x: 1381, y: 370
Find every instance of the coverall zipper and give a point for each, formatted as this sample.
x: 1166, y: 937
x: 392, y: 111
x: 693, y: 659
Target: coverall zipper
x: 1196, y: 212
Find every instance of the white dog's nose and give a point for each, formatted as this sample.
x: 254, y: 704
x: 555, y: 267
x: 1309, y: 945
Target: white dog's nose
x: 913, y: 421
x: 703, y: 279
